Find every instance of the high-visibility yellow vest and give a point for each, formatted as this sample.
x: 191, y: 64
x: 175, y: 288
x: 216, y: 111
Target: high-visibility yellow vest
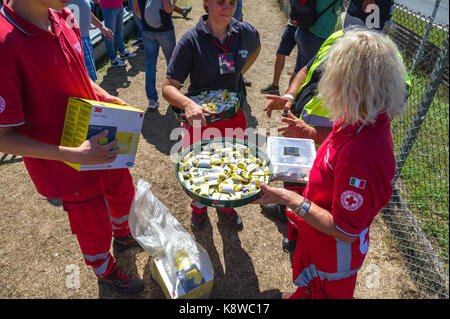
x: 314, y: 112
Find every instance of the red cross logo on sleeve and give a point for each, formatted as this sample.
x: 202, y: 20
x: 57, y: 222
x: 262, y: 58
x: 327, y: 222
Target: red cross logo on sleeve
x: 351, y: 200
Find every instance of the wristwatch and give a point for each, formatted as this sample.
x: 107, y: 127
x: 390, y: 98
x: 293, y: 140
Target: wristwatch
x: 302, y: 208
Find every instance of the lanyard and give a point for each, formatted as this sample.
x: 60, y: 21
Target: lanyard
x: 223, y: 48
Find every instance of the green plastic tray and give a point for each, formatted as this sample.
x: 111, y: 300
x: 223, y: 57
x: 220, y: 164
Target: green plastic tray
x: 222, y: 203
x: 228, y: 114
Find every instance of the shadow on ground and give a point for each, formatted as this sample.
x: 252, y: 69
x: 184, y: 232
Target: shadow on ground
x: 120, y: 77
x: 127, y: 262
x: 237, y: 278
x: 158, y: 130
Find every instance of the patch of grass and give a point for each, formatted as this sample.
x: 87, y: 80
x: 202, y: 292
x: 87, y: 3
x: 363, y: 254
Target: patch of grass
x: 103, y: 63
x: 183, y: 3
x: 436, y: 36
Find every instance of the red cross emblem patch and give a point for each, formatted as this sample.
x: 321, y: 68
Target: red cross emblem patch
x: 351, y: 201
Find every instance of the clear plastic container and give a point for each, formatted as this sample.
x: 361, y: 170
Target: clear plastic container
x: 291, y: 158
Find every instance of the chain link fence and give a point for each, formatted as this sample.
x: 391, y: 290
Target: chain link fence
x: 417, y: 215
x: 418, y: 212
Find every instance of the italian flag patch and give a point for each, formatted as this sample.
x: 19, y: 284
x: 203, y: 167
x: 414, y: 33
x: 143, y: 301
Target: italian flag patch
x: 358, y: 183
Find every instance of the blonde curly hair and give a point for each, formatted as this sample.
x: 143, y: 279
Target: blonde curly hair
x: 364, y: 76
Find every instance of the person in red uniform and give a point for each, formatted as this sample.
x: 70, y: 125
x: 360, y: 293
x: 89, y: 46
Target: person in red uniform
x: 199, y: 54
x: 351, y: 179
x: 374, y: 14
x: 41, y: 64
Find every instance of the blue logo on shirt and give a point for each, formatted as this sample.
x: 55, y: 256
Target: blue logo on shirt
x: 243, y: 53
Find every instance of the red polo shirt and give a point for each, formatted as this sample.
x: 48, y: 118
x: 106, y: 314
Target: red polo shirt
x: 352, y: 174
x: 352, y: 178
x: 39, y: 71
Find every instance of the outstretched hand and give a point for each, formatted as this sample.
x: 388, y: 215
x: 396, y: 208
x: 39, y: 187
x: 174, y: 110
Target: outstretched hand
x: 295, y: 127
x: 277, y: 103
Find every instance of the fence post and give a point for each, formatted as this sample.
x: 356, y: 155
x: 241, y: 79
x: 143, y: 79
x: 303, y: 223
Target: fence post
x: 435, y: 79
x: 425, y: 36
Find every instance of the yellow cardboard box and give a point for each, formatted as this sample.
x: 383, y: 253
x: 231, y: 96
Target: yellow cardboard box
x: 159, y: 274
x: 85, y: 118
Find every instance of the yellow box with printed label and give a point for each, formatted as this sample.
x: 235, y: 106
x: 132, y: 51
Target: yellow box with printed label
x: 85, y: 118
x: 187, y: 289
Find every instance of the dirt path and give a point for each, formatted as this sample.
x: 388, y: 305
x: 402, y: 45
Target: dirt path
x: 38, y: 252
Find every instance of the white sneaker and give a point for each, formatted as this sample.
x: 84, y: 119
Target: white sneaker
x: 153, y: 105
x: 118, y: 63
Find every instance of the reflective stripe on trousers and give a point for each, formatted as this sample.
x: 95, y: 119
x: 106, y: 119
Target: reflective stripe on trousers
x: 344, y: 261
x: 117, y: 221
x: 97, y: 259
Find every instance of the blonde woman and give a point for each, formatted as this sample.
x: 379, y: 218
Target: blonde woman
x: 351, y: 180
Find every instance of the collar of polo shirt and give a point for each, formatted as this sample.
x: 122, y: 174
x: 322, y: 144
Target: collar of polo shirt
x: 203, y: 30
x: 24, y: 25
x: 349, y: 130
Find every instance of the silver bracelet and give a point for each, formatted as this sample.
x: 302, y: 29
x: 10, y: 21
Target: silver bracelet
x: 302, y: 208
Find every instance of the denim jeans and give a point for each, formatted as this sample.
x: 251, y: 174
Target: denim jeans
x: 113, y: 18
x: 308, y: 44
x: 152, y: 41
x: 135, y: 18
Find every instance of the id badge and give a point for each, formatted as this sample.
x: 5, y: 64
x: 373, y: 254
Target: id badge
x: 227, y: 63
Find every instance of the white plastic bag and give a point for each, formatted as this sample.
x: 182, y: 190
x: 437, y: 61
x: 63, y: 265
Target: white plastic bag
x: 161, y: 235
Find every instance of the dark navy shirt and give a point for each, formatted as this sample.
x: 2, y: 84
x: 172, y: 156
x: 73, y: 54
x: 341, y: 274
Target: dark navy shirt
x: 197, y: 55
x: 166, y: 19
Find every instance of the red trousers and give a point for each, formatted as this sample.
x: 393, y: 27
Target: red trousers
x: 291, y: 228
x: 96, y: 212
x: 326, y: 289
x: 312, y: 286
x: 315, y: 267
